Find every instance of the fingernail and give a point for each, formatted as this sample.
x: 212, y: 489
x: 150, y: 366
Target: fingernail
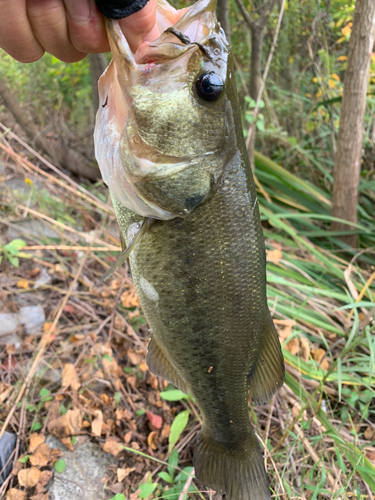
x: 79, y: 10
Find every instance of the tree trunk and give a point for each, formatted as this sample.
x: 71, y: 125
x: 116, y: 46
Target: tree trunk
x: 61, y: 153
x: 98, y: 63
x: 257, y: 36
x: 346, y: 173
x: 223, y: 16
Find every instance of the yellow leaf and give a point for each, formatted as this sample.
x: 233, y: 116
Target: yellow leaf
x: 274, y: 255
x: 347, y: 30
x: 335, y: 77
x: 315, y: 79
x: 23, y: 284
x: 331, y: 84
x: 342, y: 58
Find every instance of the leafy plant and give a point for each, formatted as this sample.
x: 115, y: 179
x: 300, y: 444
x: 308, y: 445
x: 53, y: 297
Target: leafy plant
x: 11, y: 251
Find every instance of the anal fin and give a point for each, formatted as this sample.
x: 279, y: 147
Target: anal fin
x: 268, y: 376
x: 160, y: 365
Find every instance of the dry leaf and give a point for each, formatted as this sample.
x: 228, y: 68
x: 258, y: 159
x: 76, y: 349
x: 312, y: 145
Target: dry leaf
x: 369, y: 433
x: 135, y: 445
x: 151, y: 440
x: 113, y: 446
x: 371, y: 455
x: 135, y: 357
x: 128, y: 437
x: 23, y: 284
x: 317, y: 355
x: 123, y: 473
x: 14, y: 494
x: 66, y: 425
x: 41, y: 456
x: 67, y: 441
x: 115, y: 284
x: 45, y: 477
x: 35, y: 440
x: 40, y: 496
x: 293, y: 346
x: 97, y: 423
x: 304, y: 349
x: 166, y: 430
x: 155, y: 420
x: 5, y: 390
x: 129, y: 298
x: 143, y: 366
x: 70, y: 377
x: 28, y: 478
x: 274, y: 255
x: 110, y: 364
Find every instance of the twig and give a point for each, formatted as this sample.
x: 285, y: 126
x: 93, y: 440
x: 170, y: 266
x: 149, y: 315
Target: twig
x: 265, y: 74
x: 186, y: 486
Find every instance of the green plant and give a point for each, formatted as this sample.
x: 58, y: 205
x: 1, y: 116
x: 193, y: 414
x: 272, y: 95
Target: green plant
x: 11, y: 251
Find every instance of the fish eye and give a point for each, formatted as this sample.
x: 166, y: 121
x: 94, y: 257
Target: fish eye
x: 209, y: 86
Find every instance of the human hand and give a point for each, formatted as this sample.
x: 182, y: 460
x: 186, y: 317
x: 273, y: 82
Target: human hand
x: 68, y: 29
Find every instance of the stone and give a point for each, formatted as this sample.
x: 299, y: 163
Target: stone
x: 85, y: 468
x: 31, y: 317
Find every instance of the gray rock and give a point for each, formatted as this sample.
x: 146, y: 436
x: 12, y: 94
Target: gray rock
x: 31, y: 228
x: 7, y: 445
x: 85, y: 468
x: 31, y: 317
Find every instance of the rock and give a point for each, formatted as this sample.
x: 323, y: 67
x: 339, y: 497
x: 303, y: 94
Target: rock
x: 31, y: 317
x: 85, y: 468
x: 32, y: 229
x: 7, y: 445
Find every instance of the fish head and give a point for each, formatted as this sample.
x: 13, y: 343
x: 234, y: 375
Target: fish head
x: 164, y: 127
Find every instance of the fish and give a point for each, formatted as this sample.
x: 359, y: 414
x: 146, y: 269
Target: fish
x: 169, y: 143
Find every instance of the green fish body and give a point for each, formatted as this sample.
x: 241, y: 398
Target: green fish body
x: 200, y: 269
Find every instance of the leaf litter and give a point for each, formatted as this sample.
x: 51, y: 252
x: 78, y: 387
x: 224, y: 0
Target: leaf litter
x: 91, y: 379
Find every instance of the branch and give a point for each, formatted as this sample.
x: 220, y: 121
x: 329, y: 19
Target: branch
x: 252, y: 24
x: 266, y: 11
x: 265, y: 74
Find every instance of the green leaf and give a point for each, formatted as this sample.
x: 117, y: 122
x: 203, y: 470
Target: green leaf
x: 173, y: 395
x: 117, y: 398
x: 60, y: 466
x: 36, y: 426
x: 24, y: 459
x: 147, y: 489
x: 14, y: 245
x: 173, y: 462
x: 14, y: 261
x: 166, y: 477
x: 44, y: 392
x: 140, y: 412
x: 260, y: 125
x: 177, y: 427
x: 119, y: 496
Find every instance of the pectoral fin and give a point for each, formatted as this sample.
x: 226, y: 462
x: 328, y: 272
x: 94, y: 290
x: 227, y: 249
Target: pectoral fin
x: 160, y: 365
x: 268, y: 376
x: 145, y: 226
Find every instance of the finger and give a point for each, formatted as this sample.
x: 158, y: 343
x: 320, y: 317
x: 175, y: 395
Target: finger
x: 16, y: 36
x: 86, y: 26
x: 141, y: 26
x: 48, y: 21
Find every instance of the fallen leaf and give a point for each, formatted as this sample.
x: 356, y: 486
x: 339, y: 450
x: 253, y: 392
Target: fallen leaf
x: 128, y: 437
x: 70, y: 377
x: 14, y: 494
x: 274, y: 255
x: 369, y: 433
x: 69, y: 308
x: 41, y: 456
x: 110, y: 364
x: 292, y: 346
x: 123, y: 473
x: 135, y: 445
x: 371, y: 455
x: 151, y: 440
x: 318, y: 355
x: 40, y: 496
x: 45, y: 477
x: 129, y: 298
x: 5, y: 390
x: 166, y: 430
x: 115, y: 284
x: 143, y: 366
x: 155, y: 420
x: 28, y: 478
x: 67, y: 441
x: 135, y: 357
x: 66, y: 425
x: 97, y: 423
x: 35, y: 440
x: 113, y: 446
x: 23, y: 284
x: 304, y: 349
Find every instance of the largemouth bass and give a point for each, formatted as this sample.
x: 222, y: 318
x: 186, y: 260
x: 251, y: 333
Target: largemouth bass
x: 170, y: 147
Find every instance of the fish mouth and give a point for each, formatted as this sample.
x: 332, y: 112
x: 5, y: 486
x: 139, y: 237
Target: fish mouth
x: 182, y: 32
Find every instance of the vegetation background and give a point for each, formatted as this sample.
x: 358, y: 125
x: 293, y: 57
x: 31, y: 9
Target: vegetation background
x: 319, y: 430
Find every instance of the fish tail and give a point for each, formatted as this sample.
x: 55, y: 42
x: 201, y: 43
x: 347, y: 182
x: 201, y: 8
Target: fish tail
x: 239, y: 474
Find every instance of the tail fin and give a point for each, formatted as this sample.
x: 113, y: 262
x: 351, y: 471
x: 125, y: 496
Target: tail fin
x: 237, y: 474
